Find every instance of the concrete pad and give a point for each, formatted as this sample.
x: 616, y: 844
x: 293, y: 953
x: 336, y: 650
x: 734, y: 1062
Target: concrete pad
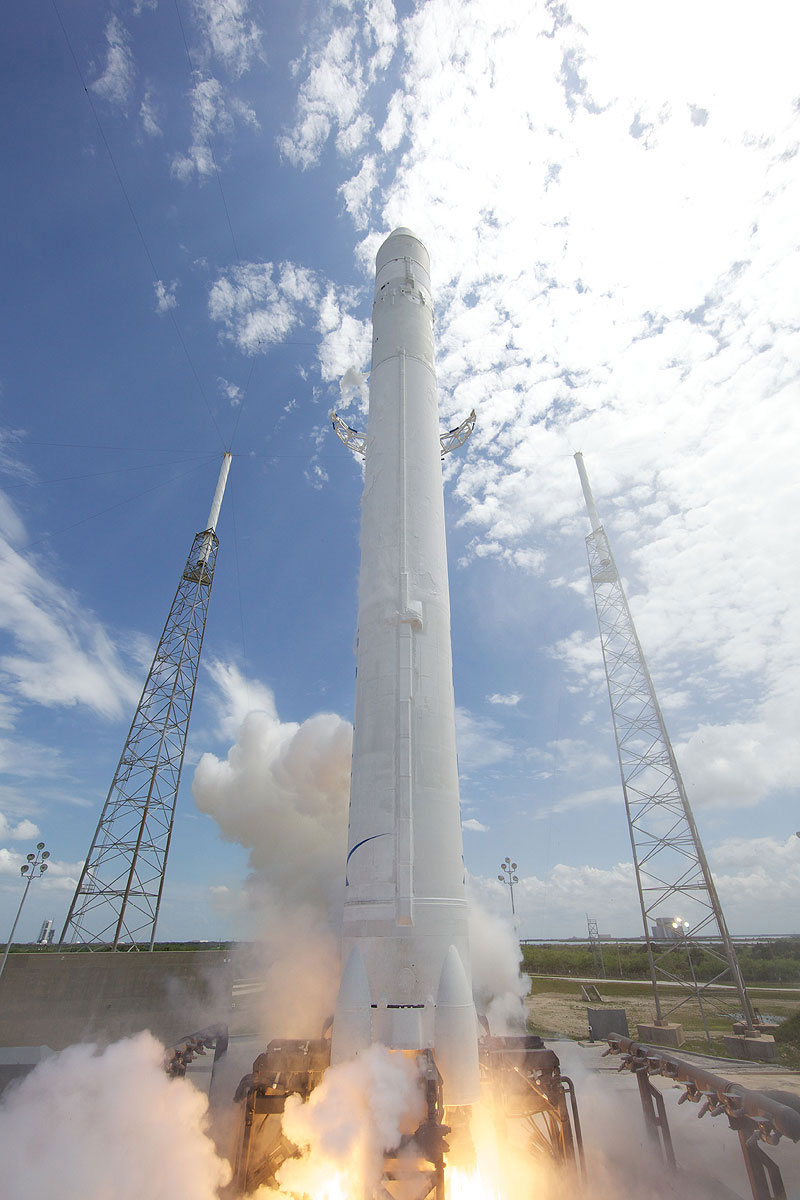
x: 756, y: 1049
x: 669, y: 1034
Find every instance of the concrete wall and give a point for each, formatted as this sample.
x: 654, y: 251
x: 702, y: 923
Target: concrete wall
x: 59, y: 999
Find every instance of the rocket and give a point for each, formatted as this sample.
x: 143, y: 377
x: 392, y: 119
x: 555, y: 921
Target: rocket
x: 406, y: 979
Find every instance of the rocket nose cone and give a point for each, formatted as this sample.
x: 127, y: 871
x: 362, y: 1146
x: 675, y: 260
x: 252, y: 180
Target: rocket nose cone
x: 401, y: 244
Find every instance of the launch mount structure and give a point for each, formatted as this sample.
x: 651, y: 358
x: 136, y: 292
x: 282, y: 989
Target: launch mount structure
x: 118, y: 897
x: 671, y: 865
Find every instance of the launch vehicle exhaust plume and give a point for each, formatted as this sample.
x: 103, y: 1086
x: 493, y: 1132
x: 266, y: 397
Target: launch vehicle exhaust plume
x: 92, y: 1125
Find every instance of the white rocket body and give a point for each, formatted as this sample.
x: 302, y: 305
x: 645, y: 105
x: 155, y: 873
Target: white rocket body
x: 406, y: 979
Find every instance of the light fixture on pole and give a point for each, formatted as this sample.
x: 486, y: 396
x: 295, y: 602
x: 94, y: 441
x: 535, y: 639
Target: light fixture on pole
x: 509, y: 878
x: 681, y: 928
x: 32, y: 869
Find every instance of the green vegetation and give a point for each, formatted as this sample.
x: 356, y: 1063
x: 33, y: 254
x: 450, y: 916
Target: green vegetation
x: 776, y: 962
x: 35, y: 948
x: 787, y: 1035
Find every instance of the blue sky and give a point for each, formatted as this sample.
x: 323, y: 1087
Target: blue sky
x: 192, y: 198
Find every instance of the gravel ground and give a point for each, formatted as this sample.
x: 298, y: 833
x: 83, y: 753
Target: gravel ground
x: 564, y: 1014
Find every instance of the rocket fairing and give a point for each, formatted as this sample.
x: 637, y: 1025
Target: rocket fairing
x: 406, y: 971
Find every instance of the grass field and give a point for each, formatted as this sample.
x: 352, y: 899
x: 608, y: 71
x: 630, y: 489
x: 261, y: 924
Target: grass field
x: 556, y: 1007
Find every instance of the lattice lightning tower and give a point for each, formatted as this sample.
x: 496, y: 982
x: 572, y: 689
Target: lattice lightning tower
x: 672, y: 873
x: 118, y: 896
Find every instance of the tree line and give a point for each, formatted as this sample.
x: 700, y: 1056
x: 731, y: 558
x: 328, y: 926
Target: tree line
x: 775, y: 961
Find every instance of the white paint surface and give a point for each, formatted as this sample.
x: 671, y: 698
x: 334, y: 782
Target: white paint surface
x: 405, y: 906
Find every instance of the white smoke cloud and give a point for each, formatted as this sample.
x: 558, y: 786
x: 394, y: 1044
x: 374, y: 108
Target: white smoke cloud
x: 282, y: 793
x: 359, y: 1112
x: 90, y: 1126
x: 497, y: 985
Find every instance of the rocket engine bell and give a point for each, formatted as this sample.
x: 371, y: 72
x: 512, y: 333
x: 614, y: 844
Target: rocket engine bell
x: 406, y: 980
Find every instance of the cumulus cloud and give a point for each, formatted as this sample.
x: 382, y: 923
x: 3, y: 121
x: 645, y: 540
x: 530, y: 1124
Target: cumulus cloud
x: 60, y: 877
x: 117, y: 80
x: 574, y: 327
x: 258, y: 304
x: 165, y: 295
x: 758, y: 881
x: 345, y: 344
x: 214, y: 113
x: 232, y: 34
x: 474, y: 826
x: 23, y: 829
x: 357, y: 192
x: 337, y: 75
x: 510, y: 700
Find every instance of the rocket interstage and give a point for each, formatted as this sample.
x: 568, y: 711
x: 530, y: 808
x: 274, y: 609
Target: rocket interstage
x: 406, y: 980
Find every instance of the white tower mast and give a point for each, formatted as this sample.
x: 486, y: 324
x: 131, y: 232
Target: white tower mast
x: 407, y: 979
x: 118, y: 897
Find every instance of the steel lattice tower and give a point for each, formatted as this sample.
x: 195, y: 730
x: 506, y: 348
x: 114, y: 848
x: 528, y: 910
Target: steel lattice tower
x: 118, y: 896
x: 668, y: 856
x: 596, y: 947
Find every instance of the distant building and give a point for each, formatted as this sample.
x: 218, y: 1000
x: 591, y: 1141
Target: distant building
x: 46, y: 933
x: 668, y: 929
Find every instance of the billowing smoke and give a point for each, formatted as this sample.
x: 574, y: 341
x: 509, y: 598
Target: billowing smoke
x: 497, y: 985
x: 359, y: 1112
x: 282, y: 792
x: 89, y: 1125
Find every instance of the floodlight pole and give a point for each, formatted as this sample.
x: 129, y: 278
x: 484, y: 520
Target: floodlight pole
x: 34, y: 868
x: 509, y: 878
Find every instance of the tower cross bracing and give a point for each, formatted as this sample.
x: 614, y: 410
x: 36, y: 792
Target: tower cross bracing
x: 118, y: 897
x: 672, y: 873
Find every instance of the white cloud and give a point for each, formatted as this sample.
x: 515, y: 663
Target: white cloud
x: 148, y: 114
x: 23, y: 829
x: 258, y: 304
x: 230, y: 390
x: 352, y: 53
x: 479, y: 742
x: 357, y: 192
x: 233, y: 36
x: 60, y: 877
x: 613, y: 227
x: 165, y: 295
x: 590, y: 798
x: 352, y: 386
x: 62, y: 654
x: 214, y: 113
x: 118, y: 77
x: 510, y: 700
x: 474, y: 826
x: 346, y: 341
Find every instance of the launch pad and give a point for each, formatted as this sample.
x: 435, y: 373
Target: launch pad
x: 520, y: 1080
